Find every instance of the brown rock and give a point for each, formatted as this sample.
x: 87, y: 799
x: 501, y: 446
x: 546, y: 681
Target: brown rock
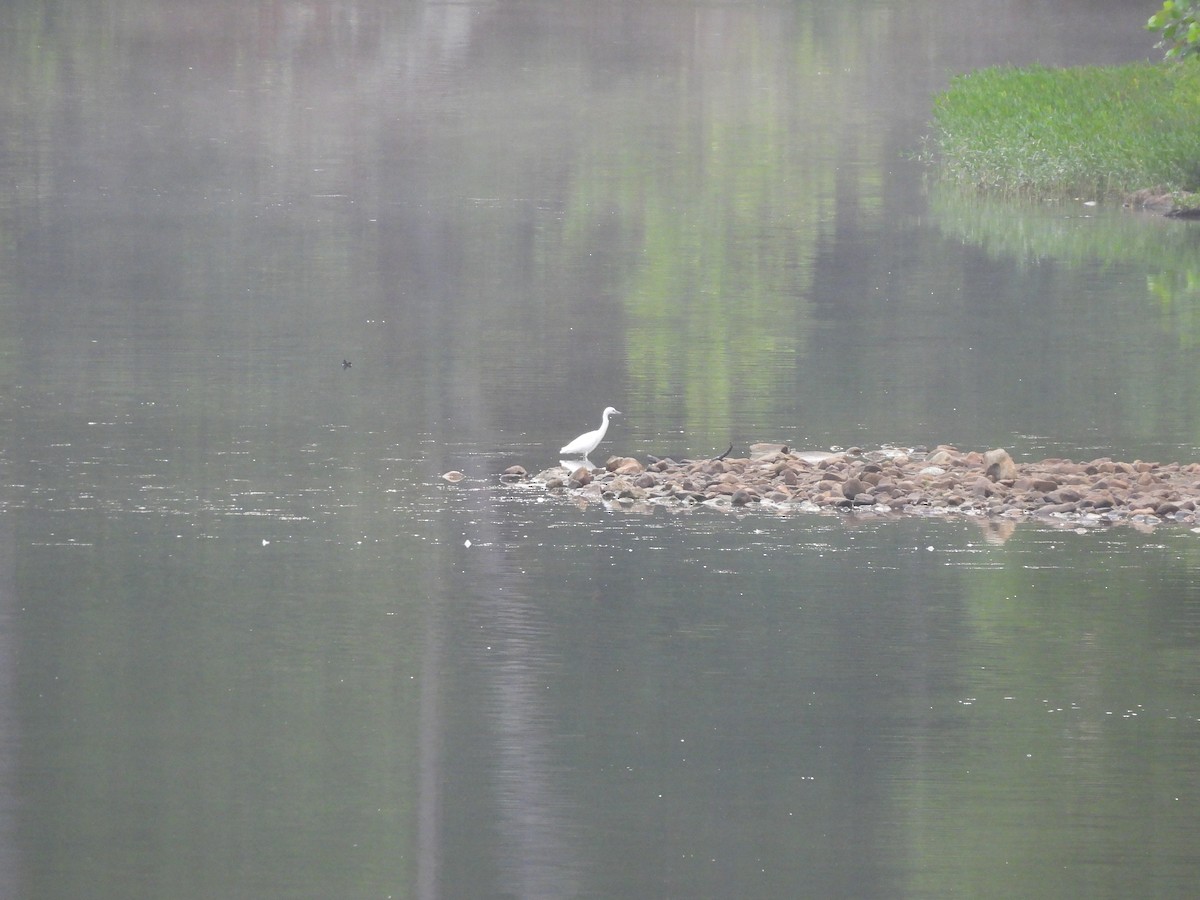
x: 982, y: 487
x: 941, y: 458
x: 625, y: 465
x: 1052, y: 508
x: 852, y: 487
x: 763, y: 450
x: 998, y: 465
x: 1103, y: 491
x: 1064, y: 495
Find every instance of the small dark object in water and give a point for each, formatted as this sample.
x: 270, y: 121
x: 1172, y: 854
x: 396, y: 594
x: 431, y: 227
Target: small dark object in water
x: 723, y: 455
x: 346, y: 364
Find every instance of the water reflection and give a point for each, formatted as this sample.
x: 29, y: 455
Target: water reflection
x: 10, y: 723
x: 252, y: 643
x: 539, y: 847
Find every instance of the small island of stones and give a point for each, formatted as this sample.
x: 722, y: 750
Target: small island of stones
x: 914, y: 481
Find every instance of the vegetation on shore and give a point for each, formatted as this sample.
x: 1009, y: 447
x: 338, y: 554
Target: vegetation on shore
x: 1095, y: 132
x: 1179, y: 24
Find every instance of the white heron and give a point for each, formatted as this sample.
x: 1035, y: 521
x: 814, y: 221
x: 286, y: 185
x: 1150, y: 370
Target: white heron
x: 586, y: 443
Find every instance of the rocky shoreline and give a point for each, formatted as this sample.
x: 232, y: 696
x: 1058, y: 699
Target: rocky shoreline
x: 942, y: 481
x: 1175, y: 205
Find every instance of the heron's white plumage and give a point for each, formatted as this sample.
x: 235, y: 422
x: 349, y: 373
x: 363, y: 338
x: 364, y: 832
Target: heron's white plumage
x: 586, y: 443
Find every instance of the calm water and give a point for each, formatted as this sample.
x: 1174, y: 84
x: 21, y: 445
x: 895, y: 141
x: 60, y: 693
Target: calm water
x: 251, y: 645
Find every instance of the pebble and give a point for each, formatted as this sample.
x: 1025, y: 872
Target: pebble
x: 945, y: 481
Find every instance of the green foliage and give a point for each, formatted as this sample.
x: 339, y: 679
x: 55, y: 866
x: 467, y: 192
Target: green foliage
x: 1087, y: 131
x: 1180, y: 26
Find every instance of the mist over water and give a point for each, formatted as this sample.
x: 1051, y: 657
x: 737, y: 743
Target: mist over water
x: 251, y: 643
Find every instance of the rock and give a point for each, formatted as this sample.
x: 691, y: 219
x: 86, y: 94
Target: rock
x: 1051, y: 509
x: 999, y: 466
x: 982, y: 487
x: 622, y: 488
x: 454, y: 476
x: 761, y: 451
x: 1064, y: 495
x: 1094, y: 494
x: 632, y: 467
x: 613, y: 463
x: 1151, y: 200
x: 852, y: 487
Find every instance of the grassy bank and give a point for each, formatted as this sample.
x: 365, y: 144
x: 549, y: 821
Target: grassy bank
x: 1082, y: 132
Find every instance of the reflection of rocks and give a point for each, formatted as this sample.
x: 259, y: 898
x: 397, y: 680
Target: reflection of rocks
x: 944, y: 481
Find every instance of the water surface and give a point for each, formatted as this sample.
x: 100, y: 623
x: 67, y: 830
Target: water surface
x: 252, y: 645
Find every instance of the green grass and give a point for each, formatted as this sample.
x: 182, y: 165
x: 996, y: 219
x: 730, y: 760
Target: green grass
x: 1092, y: 131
